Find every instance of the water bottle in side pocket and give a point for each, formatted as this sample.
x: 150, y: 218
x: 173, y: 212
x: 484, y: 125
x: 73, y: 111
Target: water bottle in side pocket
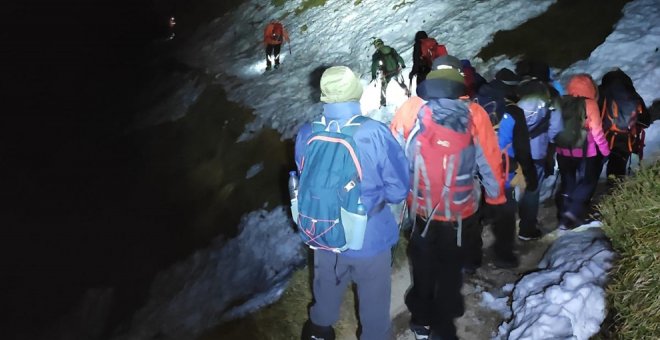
x: 293, y: 194
x: 355, y: 225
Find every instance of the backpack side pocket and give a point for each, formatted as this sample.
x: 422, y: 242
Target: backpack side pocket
x: 355, y: 226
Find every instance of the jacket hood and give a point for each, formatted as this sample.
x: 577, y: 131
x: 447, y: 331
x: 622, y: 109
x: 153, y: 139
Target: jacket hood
x: 617, y: 84
x: 440, y: 88
x: 452, y: 113
x: 385, y: 49
x: 341, y: 111
x: 582, y: 85
x: 421, y: 35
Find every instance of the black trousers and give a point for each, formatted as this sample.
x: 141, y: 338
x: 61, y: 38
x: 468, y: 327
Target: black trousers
x: 579, y: 177
x: 617, y: 164
x: 273, y: 52
x: 504, y: 225
x: 385, y: 79
x: 471, y: 244
x: 435, y: 298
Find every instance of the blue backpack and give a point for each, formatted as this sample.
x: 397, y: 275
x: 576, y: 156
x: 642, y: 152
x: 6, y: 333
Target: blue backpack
x: 330, y: 215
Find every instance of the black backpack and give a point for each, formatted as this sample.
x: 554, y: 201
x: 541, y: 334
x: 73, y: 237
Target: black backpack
x: 573, y: 116
x: 492, y: 100
x: 620, y: 104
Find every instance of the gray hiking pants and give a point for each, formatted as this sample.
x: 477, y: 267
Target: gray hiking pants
x: 372, y: 275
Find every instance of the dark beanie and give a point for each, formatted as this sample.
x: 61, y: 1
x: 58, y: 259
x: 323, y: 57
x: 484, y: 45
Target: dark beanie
x: 446, y: 67
x: 445, y: 79
x: 446, y: 60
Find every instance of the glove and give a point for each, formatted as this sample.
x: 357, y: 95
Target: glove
x: 403, y: 66
x: 519, y: 180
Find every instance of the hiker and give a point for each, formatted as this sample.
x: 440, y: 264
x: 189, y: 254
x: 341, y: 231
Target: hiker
x: 513, y: 139
x: 500, y: 97
x: 578, y: 144
x: 493, y: 96
x: 454, y: 141
x: 170, y: 24
x: 538, y: 103
x: 538, y: 70
x: 473, y: 80
x: 624, y: 118
x: 274, y: 35
x: 383, y: 170
x: 419, y: 67
x: 389, y: 63
x: 425, y: 50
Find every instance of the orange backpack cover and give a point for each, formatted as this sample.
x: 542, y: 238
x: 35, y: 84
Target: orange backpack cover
x: 275, y: 34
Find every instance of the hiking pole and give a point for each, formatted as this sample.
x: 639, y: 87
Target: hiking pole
x: 402, y: 217
x: 289, y: 43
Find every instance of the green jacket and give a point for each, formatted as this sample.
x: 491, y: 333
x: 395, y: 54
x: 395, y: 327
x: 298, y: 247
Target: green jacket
x: 390, y: 59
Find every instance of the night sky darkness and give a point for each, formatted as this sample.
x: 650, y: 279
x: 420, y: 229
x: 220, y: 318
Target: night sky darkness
x: 70, y: 74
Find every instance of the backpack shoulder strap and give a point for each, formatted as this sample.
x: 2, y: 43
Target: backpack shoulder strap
x: 348, y: 128
x: 353, y: 124
x: 541, y: 127
x: 319, y: 125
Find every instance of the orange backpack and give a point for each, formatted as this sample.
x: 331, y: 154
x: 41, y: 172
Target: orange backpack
x: 278, y: 31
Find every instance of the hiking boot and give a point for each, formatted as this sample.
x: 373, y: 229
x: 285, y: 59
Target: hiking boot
x: 568, y: 221
x: 268, y: 68
x: 312, y: 331
x: 277, y: 66
x: 506, y: 262
x: 421, y: 332
x: 594, y: 216
x: 528, y: 235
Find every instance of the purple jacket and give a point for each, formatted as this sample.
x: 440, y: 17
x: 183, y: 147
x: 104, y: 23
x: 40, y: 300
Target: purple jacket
x: 535, y: 112
x: 385, y: 177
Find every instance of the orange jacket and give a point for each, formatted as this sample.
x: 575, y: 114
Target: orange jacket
x: 405, y: 117
x: 483, y: 134
x: 268, y: 35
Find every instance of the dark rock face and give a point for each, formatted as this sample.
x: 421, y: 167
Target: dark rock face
x: 222, y: 282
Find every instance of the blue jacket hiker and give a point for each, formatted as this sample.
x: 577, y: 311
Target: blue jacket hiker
x: 385, y: 180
